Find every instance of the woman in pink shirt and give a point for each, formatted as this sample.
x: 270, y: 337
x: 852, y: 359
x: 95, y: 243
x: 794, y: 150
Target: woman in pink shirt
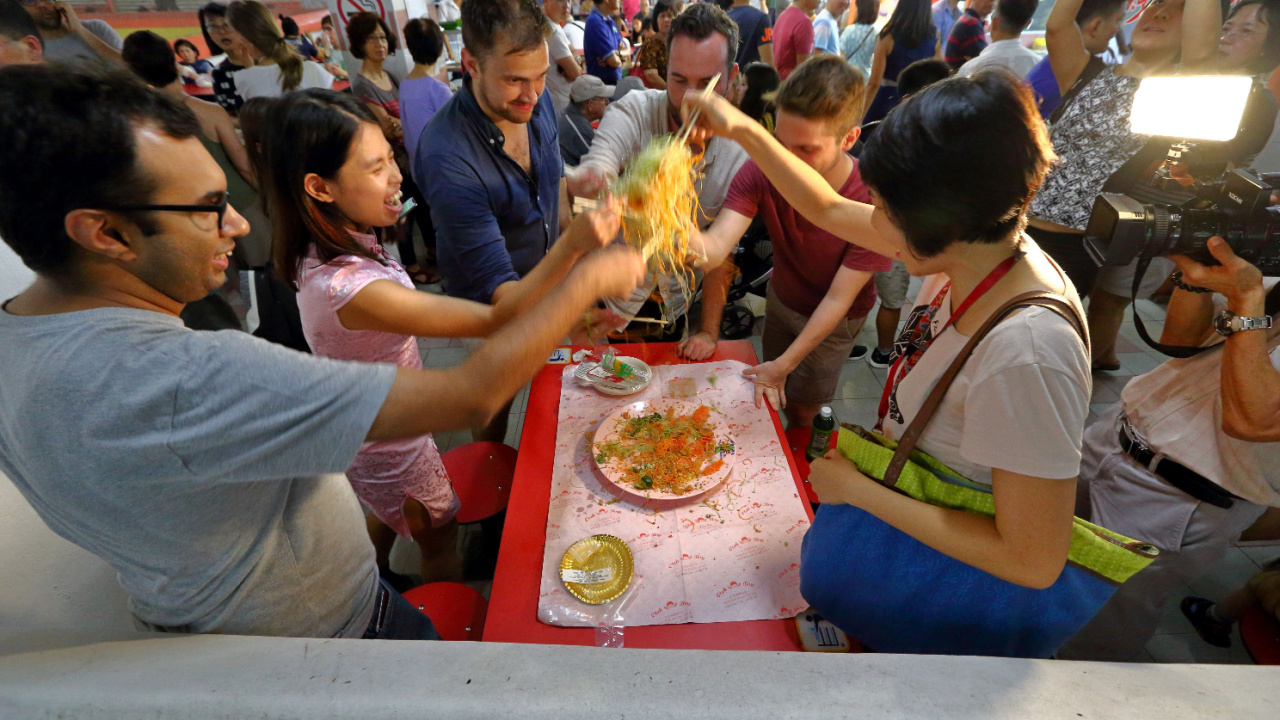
x: 332, y: 183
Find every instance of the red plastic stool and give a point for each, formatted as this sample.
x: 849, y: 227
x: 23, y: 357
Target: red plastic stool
x: 798, y: 441
x: 482, y: 473
x: 1260, y: 634
x: 456, y: 610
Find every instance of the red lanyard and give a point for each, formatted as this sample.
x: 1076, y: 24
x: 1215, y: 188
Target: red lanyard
x: 908, y: 359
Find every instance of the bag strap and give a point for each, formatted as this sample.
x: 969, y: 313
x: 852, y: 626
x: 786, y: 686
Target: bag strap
x: 1040, y: 298
x: 1091, y: 71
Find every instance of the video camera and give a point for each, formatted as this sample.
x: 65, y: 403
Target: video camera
x: 1235, y: 206
x: 1191, y: 197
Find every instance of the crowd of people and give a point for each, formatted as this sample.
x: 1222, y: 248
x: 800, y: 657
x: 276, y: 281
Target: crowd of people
x: 238, y: 486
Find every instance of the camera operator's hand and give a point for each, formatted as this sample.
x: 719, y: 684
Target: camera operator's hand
x: 1235, y: 278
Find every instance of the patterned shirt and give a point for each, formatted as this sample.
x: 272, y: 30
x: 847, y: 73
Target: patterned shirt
x: 1092, y: 140
x: 224, y: 87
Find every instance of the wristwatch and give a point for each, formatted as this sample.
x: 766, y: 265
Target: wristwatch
x: 1228, y: 323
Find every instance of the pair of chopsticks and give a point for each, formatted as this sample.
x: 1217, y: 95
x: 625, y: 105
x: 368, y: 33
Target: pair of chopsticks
x: 693, y: 119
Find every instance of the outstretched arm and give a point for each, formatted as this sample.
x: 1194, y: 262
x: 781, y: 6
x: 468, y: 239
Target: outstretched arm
x: 802, y: 186
x: 1067, y: 54
x: 1201, y: 28
x: 386, y: 306
x: 423, y: 401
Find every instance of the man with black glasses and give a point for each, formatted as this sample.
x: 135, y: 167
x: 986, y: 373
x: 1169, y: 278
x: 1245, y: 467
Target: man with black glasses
x: 204, y: 467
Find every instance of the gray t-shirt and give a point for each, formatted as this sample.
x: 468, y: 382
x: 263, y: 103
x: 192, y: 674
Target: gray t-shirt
x: 204, y: 467
x: 71, y: 48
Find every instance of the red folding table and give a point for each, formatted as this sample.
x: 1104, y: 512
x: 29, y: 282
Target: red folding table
x: 513, y: 603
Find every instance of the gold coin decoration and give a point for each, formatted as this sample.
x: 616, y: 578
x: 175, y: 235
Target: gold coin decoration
x: 597, y: 569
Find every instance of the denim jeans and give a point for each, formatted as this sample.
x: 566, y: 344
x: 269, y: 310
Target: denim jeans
x: 394, y: 618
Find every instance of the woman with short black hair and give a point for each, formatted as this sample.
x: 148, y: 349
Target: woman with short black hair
x: 1012, y: 419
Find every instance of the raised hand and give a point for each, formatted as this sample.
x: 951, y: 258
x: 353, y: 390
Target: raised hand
x: 595, y: 229
x: 616, y: 271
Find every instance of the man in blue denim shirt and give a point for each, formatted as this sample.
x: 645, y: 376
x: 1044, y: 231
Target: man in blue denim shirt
x: 490, y: 162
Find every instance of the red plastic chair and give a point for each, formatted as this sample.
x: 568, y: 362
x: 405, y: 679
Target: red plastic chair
x: 482, y: 473
x: 457, y: 611
x: 798, y: 441
x: 1260, y: 634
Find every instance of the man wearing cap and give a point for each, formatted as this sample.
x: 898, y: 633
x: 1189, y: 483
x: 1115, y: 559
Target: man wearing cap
x: 588, y: 98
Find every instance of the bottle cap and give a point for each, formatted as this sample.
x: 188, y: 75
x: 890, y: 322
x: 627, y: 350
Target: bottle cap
x: 826, y: 411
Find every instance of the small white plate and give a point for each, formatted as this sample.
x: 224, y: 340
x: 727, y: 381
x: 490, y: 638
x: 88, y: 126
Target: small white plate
x: 638, y: 380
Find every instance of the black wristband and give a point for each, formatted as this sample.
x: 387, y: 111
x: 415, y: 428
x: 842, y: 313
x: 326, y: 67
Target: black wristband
x: 1176, y: 279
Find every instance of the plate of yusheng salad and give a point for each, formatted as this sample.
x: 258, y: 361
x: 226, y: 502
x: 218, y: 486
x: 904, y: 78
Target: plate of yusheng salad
x: 664, y: 449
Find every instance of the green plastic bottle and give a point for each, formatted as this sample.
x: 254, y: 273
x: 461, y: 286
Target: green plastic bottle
x: 820, y: 437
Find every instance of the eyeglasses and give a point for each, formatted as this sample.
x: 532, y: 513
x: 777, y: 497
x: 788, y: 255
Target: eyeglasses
x: 219, y: 207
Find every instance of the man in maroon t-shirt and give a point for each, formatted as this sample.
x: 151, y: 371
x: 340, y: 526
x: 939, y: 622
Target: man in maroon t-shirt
x: 821, y: 290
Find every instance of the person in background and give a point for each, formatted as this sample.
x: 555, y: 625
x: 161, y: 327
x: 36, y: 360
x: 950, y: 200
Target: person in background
x: 968, y: 35
x: 359, y: 304
x: 490, y: 161
x: 635, y: 32
x: 587, y: 102
x: 826, y: 31
x: 1008, y: 21
x: 1097, y: 21
x: 793, y: 36
x: 1213, y: 621
x: 67, y: 38
x: 372, y: 42
x: 909, y: 36
x: 189, y: 59
x: 221, y: 37
x: 821, y: 290
x: 326, y: 43
x: 277, y: 69
x: 151, y: 58
x: 701, y: 44
x: 1092, y: 136
x: 945, y: 13
x: 892, y: 284
x: 422, y: 93
x: 652, y: 59
x: 602, y: 43
x: 757, y: 33
x: 858, y: 41
x: 758, y: 81
x: 564, y: 64
x: 207, y: 466
x: 293, y: 36
x: 20, y: 42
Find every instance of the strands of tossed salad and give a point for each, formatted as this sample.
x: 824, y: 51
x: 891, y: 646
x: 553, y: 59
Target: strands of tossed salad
x: 666, y: 453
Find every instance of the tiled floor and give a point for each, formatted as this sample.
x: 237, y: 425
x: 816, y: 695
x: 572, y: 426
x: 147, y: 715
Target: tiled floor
x: 857, y: 401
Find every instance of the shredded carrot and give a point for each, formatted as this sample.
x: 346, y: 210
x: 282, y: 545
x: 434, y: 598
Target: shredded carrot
x: 665, y: 453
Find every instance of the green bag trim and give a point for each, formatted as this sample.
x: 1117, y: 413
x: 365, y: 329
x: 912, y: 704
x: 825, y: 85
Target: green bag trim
x: 1106, y: 554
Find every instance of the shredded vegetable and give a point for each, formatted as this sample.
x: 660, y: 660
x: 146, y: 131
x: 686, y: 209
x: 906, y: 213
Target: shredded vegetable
x: 666, y: 453
x: 659, y: 199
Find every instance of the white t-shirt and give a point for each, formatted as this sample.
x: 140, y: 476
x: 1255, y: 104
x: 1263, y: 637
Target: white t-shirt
x: 576, y: 34
x: 558, y: 85
x: 1006, y: 54
x: 264, y: 80
x: 1019, y: 403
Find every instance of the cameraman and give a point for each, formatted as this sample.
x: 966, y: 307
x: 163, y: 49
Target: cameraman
x: 1189, y: 458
